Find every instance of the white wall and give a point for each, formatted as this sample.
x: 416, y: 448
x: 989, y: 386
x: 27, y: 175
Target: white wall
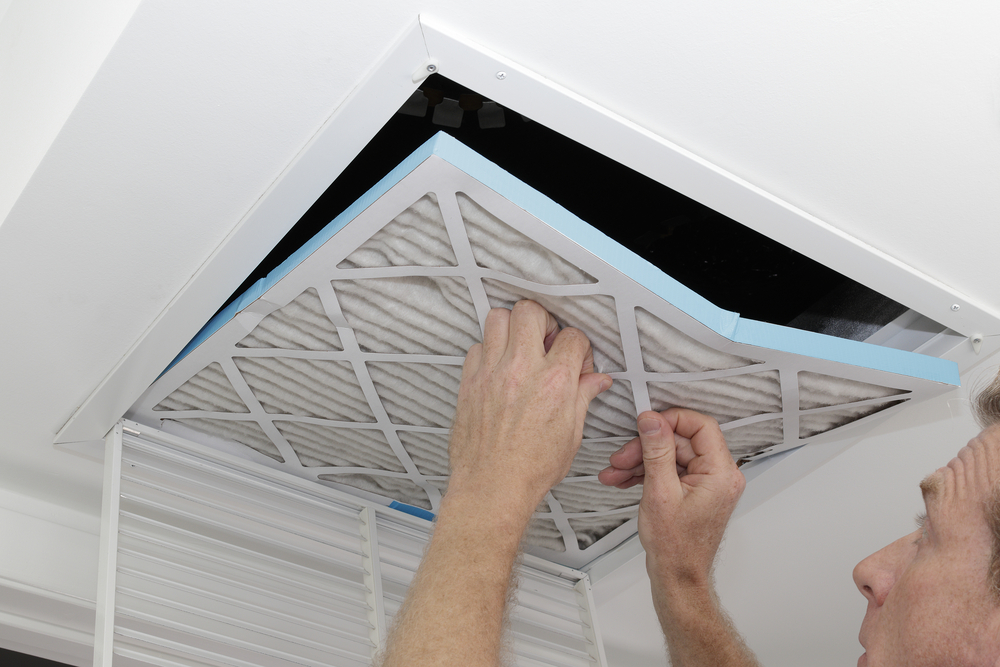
x: 48, y: 578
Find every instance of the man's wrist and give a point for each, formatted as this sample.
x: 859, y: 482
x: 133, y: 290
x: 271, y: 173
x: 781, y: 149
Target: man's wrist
x: 487, y: 497
x: 499, y: 514
x: 672, y: 574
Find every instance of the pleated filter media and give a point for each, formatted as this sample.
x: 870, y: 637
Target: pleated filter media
x: 343, y: 365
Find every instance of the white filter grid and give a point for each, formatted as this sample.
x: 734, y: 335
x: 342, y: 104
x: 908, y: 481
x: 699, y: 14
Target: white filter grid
x: 446, y: 184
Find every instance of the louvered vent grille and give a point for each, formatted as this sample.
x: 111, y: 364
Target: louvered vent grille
x: 216, y: 563
x: 212, y: 568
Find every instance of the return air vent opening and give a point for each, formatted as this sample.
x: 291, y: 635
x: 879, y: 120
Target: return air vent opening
x: 343, y: 366
x: 729, y: 264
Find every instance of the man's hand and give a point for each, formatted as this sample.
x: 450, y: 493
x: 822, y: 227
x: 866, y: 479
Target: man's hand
x: 690, y: 488
x: 524, y: 395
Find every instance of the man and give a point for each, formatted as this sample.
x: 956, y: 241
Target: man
x: 522, y: 401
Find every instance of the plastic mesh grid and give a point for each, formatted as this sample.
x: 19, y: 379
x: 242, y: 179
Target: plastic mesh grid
x: 346, y: 371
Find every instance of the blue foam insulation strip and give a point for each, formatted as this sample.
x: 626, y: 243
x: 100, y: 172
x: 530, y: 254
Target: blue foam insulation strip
x: 727, y: 324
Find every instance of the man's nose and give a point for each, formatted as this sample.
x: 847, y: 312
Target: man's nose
x: 876, y: 575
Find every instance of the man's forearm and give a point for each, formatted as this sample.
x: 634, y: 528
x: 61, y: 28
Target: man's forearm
x: 518, y: 422
x: 473, y: 550
x: 698, y: 631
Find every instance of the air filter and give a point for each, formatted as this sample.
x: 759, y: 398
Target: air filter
x: 343, y: 365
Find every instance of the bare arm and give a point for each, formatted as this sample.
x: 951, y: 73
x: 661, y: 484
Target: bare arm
x: 691, y: 487
x: 524, y: 394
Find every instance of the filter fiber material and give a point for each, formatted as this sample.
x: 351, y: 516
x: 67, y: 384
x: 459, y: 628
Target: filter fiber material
x: 593, y: 456
x: 346, y: 370
x: 428, y: 451
x: 544, y: 533
x: 208, y: 390
x: 612, y: 413
x: 417, y: 394
x: 821, y: 422
x: 301, y: 325
x: 415, y: 237
x: 665, y: 349
x: 400, y: 488
x: 306, y: 387
x: 318, y: 446
x: 819, y: 391
x: 590, y: 529
x: 726, y: 399
x: 498, y: 246
x: 751, y: 438
x: 591, y: 496
x: 411, y: 315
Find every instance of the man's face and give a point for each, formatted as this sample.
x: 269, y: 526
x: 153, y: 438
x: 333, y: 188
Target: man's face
x: 929, y: 599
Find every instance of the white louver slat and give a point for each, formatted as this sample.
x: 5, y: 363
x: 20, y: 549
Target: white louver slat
x: 211, y: 560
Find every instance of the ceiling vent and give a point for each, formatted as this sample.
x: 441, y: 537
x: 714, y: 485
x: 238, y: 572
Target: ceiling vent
x: 352, y: 312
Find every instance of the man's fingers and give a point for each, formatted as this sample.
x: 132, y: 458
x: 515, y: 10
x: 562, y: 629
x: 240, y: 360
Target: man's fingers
x: 591, y: 385
x: 529, y: 323
x: 473, y: 360
x: 551, y: 331
x: 706, y: 440
x: 495, y: 335
x: 638, y: 479
x: 659, y: 452
x: 576, y: 341
x: 572, y: 346
x: 629, y: 456
x: 685, y: 452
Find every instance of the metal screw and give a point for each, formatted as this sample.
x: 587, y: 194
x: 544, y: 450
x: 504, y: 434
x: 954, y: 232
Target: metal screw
x: 955, y: 307
x: 501, y: 75
x: 432, y: 68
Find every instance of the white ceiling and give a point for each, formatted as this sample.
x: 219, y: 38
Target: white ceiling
x: 132, y: 144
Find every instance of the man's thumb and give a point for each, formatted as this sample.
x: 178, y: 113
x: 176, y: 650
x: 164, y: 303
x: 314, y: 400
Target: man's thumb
x: 659, y: 450
x: 591, y: 385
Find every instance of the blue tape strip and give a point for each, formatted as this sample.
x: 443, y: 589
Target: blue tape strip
x: 723, y: 322
x: 410, y: 509
x: 855, y: 353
